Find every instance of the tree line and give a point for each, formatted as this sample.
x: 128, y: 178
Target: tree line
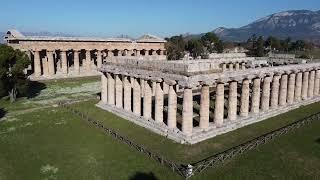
x: 178, y: 46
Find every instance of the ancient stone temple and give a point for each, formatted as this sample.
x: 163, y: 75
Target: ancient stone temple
x: 63, y: 57
x: 191, y: 101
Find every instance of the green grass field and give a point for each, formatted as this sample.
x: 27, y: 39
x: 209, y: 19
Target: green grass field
x: 47, y: 142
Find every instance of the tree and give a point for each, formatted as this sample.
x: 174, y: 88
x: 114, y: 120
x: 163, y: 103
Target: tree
x: 219, y: 46
x: 13, y: 80
x: 175, y: 47
x: 195, y: 47
x: 209, y: 40
x: 259, y: 51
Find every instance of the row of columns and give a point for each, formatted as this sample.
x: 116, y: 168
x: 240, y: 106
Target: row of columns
x: 233, y: 66
x: 46, y: 65
x: 257, y: 95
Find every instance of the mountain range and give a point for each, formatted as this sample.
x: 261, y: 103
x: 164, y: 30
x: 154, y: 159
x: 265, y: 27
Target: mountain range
x: 297, y: 24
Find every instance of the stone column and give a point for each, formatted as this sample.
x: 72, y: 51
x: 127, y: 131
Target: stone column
x: 311, y: 84
x: 50, y: 63
x: 154, y: 88
x: 138, y: 53
x: 104, y: 88
x: 243, y: 66
x: 142, y: 87
x: 99, y: 59
x: 165, y: 88
x: 172, y: 107
x: 64, y: 62
x: 237, y: 66
x: 291, y: 86
x: 204, y: 107
x: 232, y: 105
x: 187, y: 113
x: 244, y: 107
x: 283, y: 90
x: 119, y: 91
x: 136, y: 97
x: 224, y: 66
x: 298, y: 87
x: 88, y: 61
x: 305, y: 85
x: 219, y: 105
x: 275, y: 92
x: 110, y: 89
x: 265, y: 100
x: 76, y: 62
x: 159, y: 103
x: 147, y: 100
x: 127, y: 94
x: 255, y: 100
x: 45, y: 66
x: 37, y: 64
x: 110, y: 53
x: 317, y: 83
x: 230, y: 67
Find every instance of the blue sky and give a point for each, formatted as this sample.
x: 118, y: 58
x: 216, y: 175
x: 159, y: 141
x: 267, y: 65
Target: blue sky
x: 137, y: 17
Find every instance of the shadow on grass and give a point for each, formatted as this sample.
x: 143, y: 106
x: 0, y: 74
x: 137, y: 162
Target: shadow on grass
x: 2, y: 112
x: 143, y: 176
x: 35, y: 88
x: 318, y: 141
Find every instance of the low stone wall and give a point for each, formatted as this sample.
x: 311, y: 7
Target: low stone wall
x: 227, y: 55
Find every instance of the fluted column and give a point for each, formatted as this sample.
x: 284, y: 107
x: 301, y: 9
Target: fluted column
x: 64, y: 62
x: 283, y: 90
x: 104, y: 88
x: 111, y: 88
x: 298, y: 87
x: 305, y: 85
x: 88, y: 61
x: 265, y: 100
x: 127, y: 94
x: 154, y: 88
x: 50, y: 63
x: 136, y: 97
x: 224, y: 66
x: 99, y: 59
x: 232, y: 105
x: 172, y: 107
x: 147, y: 100
x: 243, y: 66
x: 45, y: 66
x: 187, y: 113
x: 311, y: 84
x: 204, y: 107
x: 142, y: 84
x: 230, y: 67
x: 119, y: 91
x: 159, y: 103
x: 237, y: 66
x: 275, y: 92
x: 291, y: 87
x: 255, y: 101
x: 317, y: 83
x: 37, y: 64
x: 76, y: 62
x: 244, y: 107
x: 219, y: 105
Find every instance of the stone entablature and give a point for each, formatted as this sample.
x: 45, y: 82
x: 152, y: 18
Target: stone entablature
x: 55, y: 57
x: 192, y: 108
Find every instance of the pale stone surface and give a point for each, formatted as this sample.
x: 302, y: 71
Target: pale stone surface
x: 187, y: 114
x: 76, y: 62
x: 64, y: 62
x: 244, y: 108
x: 305, y: 86
x: 37, y: 65
x: 99, y: 59
x: 204, y: 107
x: 275, y: 92
x: 291, y: 88
x: 172, y: 107
x: 317, y: 83
x: 265, y: 100
x: 232, y: 105
x: 219, y: 105
x: 159, y: 103
x: 50, y: 63
x: 298, y: 87
x: 126, y: 94
x: 111, y: 88
x: 104, y: 89
x: 136, y: 97
x: 88, y: 61
x: 119, y: 91
x: 311, y: 84
x: 147, y: 101
x: 255, y: 100
x: 283, y: 90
